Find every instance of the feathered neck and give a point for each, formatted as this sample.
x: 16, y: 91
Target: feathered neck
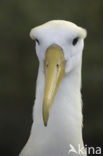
x: 65, y: 121
x: 66, y: 112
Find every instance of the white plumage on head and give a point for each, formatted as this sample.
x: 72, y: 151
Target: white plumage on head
x: 64, y: 122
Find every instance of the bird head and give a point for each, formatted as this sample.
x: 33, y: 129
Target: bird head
x: 59, y: 46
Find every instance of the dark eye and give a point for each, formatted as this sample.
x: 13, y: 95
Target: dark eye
x: 75, y: 40
x: 37, y: 41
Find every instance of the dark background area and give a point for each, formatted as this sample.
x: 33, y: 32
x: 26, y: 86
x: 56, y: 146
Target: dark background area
x: 19, y: 65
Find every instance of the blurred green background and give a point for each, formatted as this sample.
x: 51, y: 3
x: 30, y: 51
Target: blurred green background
x: 19, y: 65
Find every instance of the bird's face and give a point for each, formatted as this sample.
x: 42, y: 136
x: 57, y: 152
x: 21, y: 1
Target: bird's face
x: 59, y: 46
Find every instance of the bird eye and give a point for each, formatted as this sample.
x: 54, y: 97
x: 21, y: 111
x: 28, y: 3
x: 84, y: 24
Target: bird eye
x: 37, y: 41
x: 75, y: 40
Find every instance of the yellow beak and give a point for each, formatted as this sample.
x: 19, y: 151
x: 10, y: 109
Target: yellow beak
x: 54, y: 67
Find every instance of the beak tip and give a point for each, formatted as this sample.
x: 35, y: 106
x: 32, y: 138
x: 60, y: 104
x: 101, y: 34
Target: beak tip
x: 45, y: 124
x: 45, y: 115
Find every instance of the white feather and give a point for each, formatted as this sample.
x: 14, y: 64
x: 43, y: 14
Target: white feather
x: 65, y: 121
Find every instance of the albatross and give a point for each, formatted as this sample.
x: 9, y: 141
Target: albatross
x: 57, y: 113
